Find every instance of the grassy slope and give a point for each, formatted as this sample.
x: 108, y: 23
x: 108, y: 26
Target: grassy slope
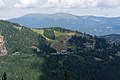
x: 20, y: 66
x: 60, y: 36
x: 40, y: 31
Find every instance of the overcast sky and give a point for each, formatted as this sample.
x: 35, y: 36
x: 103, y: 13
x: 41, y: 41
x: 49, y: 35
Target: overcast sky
x: 16, y: 8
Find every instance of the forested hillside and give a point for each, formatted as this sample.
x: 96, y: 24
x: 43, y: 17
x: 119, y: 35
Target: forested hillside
x: 57, y: 54
x: 18, y: 38
x: 112, y: 38
x: 21, y: 39
x: 87, y: 57
x: 21, y: 43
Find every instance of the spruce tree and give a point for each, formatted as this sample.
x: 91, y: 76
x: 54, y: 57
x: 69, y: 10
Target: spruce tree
x: 4, y: 77
x: 65, y: 75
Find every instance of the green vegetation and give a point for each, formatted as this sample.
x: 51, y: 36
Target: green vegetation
x: 63, y: 30
x: 83, y: 64
x: 4, y: 77
x: 90, y: 58
x: 65, y: 75
x: 39, y: 31
x: 18, y: 66
x: 19, y: 40
x: 23, y: 47
x: 49, y: 34
x: 61, y: 36
x: 32, y: 55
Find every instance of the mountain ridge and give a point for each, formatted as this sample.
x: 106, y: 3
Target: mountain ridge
x: 89, y: 24
x: 112, y: 38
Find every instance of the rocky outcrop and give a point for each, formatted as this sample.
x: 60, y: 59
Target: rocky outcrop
x: 3, y: 50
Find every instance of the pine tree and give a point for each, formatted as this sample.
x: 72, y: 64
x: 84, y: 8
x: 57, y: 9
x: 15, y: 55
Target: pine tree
x: 4, y: 77
x: 65, y: 75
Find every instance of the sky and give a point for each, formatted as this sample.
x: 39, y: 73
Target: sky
x: 17, y: 8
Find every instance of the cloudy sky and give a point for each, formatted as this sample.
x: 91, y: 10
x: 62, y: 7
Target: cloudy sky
x: 16, y: 8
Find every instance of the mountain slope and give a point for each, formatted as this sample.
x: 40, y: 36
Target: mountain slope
x: 81, y: 56
x: 112, y: 38
x: 89, y: 24
x: 87, y: 57
x: 20, y: 59
x: 18, y: 38
x: 61, y: 37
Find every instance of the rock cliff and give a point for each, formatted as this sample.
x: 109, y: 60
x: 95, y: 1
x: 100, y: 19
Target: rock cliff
x: 3, y: 50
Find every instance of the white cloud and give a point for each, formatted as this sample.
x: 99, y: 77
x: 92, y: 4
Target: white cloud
x: 82, y: 3
x: 26, y: 3
x: 67, y: 3
x: 108, y: 3
x: 2, y: 4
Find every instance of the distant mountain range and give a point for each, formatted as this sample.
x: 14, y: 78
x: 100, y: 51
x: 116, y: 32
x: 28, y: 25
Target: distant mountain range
x: 88, y: 24
x: 112, y: 38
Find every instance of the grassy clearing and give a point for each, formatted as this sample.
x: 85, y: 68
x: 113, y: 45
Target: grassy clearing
x: 57, y: 34
x: 59, y: 38
x: 39, y: 31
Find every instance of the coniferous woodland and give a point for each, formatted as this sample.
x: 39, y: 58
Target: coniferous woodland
x: 34, y: 55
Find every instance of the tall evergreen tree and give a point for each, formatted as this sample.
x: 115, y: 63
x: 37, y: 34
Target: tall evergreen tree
x: 4, y: 77
x: 65, y: 75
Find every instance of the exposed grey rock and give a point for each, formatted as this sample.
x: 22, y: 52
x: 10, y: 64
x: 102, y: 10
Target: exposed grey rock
x: 3, y: 50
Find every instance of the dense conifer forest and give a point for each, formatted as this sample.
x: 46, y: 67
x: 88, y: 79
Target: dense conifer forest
x: 57, y: 54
